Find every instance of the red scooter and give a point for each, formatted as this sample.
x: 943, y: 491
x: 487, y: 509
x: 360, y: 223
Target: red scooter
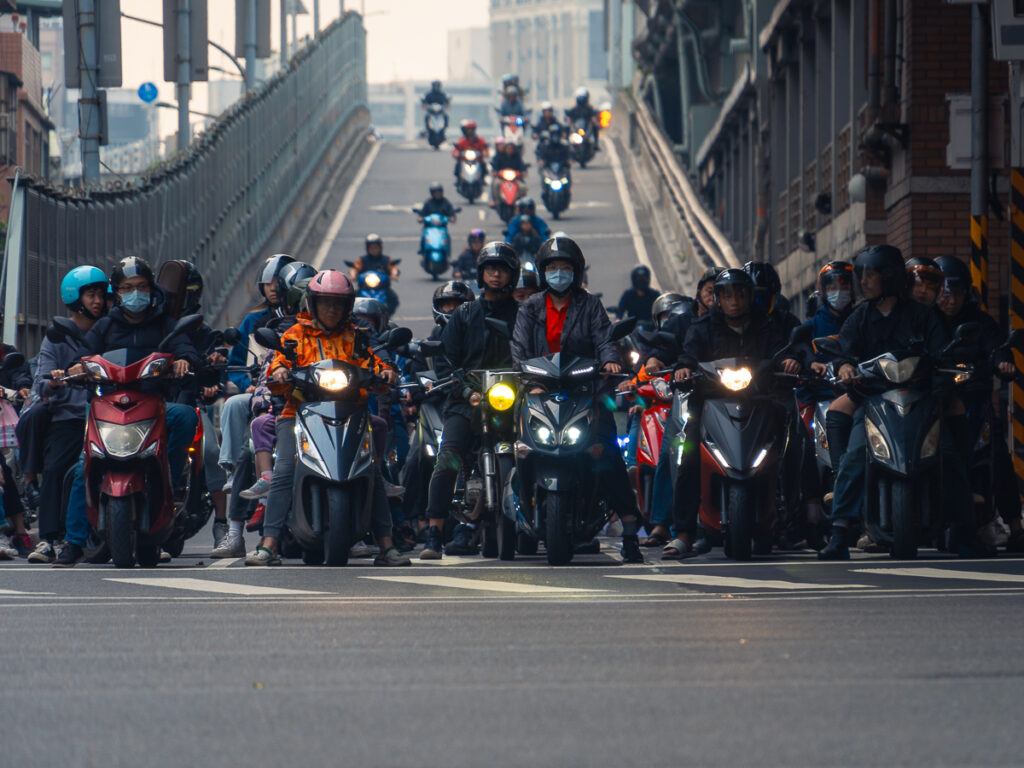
x: 129, y: 494
x: 509, y: 192
x: 657, y: 394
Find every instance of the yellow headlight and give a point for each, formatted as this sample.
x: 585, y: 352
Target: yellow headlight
x: 735, y: 379
x: 508, y: 175
x: 372, y: 280
x: 501, y: 397
x: 332, y: 380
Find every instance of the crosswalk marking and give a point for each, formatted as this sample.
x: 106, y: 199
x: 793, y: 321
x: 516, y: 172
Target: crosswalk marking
x: 942, y: 573
x: 17, y: 592
x: 731, y: 582
x: 216, y: 587
x: 224, y: 562
x: 480, y: 584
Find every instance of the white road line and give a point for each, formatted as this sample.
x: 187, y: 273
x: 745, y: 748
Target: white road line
x: 346, y: 203
x: 217, y: 587
x: 941, y: 573
x: 627, y: 207
x: 483, y: 214
x: 480, y: 585
x: 16, y: 593
x: 731, y: 582
x: 224, y: 562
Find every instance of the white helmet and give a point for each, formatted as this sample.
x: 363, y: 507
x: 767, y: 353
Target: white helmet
x: 546, y: 105
x: 582, y: 94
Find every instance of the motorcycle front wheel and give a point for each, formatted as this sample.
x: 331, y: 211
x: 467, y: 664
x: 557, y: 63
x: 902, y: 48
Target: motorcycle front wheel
x: 121, y: 534
x: 904, y: 518
x: 740, y: 518
x: 558, y: 540
x: 339, y: 534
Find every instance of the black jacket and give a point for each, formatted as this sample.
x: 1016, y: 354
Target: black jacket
x: 469, y: 343
x: 502, y: 161
x: 585, y: 112
x: 710, y: 338
x: 633, y: 304
x: 466, y: 263
x: 436, y: 97
x: 442, y: 206
x: 15, y: 378
x: 867, y: 333
x: 985, y: 356
x: 584, y: 334
x: 555, y: 152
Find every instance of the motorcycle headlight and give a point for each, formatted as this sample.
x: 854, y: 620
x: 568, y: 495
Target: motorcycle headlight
x: 307, y: 450
x: 576, y: 138
x: 371, y: 279
x: 154, y: 368
x: 501, y: 397
x: 541, y: 432
x: 123, y: 440
x: 662, y: 387
x: 876, y: 442
x: 930, y: 445
x: 572, y: 435
x: 95, y: 370
x: 582, y: 371
x: 564, y: 180
x: 555, y: 185
x: 470, y: 156
x: 634, y: 357
x: 332, y: 381
x: 735, y: 379
x: 508, y: 175
x: 899, y: 372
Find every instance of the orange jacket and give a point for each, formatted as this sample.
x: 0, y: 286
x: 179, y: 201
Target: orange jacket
x: 315, y: 344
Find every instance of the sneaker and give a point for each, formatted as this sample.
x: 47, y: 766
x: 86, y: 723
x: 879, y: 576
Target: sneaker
x: 432, y: 550
x: 7, y: 552
x: 256, y: 521
x: 43, y: 553
x: 220, y: 530
x: 229, y: 483
x: 393, y: 491
x: 233, y: 545
x: 165, y: 556
x: 23, y: 543
x: 462, y: 541
x: 69, y: 556
x: 262, y: 556
x: 258, y: 490
x: 391, y: 557
x: 362, y: 549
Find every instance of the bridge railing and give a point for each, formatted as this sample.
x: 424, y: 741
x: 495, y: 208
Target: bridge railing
x: 215, y: 203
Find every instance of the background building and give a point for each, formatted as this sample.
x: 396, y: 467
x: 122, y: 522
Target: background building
x: 469, y: 55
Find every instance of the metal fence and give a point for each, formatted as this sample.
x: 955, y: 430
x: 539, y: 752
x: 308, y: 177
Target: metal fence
x: 215, y: 204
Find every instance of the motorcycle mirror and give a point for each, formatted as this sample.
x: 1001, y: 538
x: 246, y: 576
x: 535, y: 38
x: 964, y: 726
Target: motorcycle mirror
x: 267, y: 338
x: 801, y: 335
x: 12, y: 360
x: 395, y: 262
x: 349, y: 264
x: 64, y: 328
x: 416, y: 211
x: 622, y: 329
x: 431, y: 347
x: 232, y: 336
x: 968, y: 332
x: 500, y: 327
x: 187, y: 324
x: 828, y: 345
x: 459, y: 209
x: 398, y: 337
x: 1015, y: 338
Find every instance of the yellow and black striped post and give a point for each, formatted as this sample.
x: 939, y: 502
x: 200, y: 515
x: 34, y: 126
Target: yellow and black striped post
x: 979, y: 257
x: 1017, y: 314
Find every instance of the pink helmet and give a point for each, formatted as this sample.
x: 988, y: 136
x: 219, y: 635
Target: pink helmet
x: 330, y: 283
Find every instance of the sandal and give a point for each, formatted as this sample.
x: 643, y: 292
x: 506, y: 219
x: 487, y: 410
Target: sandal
x: 654, y: 540
x: 677, y: 549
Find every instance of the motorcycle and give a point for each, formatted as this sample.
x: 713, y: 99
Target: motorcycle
x: 376, y: 284
x: 556, y: 455
x: 129, y: 492
x: 557, y: 190
x: 513, y: 127
x: 469, y: 182
x: 657, y: 396
x: 581, y: 141
x: 509, y: 192
x: 337, y: 465
x: 435, y: 243
x: 435, y: 122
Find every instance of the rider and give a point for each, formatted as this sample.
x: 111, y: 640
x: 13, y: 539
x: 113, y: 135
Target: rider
x: 705, y: 295
x: 512, y: 103
x: 584, y: 111
x: 373, y: 260
x: 84, y: 292
x: 465, y: 264
x: 554, y: 149
x: 884, y: 321
x: 469, y: 140
x: 637, y: 300
x: 506, y: 157
x: 527, y: 285
x: 546, y: 120
x: 734, y: 327
x: 436, y: 95
x: 539, y: 331
x: 527, y: 242
x: 437, y: 203
x: 469, y: 343
x: 527, y: 210
x: 925, y: 280
x: 324, y: 332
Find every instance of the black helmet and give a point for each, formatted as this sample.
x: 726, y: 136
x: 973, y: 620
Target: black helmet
x: 688, y: 306
x: 475, y: 234
x: 560, y: 248
x: 526, y: 205
x: 640, y: 277
x: 665, y: 303
x: 270, y: 270
x: 767, y: 284
x: 709, y: 275
x: 291, y: 285
x: 923, y: 269
x: 435, y: 85
x: 502, y: 253
x: 528, y: 279
x: 956, y: 273
x: 887, y: 260
x: 130, y: 266
x: 193, y: 290
x: 373, y: 309
x: 374, y: 239
x: 436, y: 186
x: 453, y: 290
x: 735, y: 277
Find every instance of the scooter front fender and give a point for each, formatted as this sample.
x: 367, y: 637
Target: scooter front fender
x: 121, y: 484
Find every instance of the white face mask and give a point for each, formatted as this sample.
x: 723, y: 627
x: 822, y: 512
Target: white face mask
x: 838, y: 299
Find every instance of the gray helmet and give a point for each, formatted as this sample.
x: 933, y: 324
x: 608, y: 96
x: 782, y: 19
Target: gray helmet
x: 664, y: 303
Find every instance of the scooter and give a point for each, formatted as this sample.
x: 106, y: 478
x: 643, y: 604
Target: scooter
x: 509, y: 191
x: 657, y: 395
x: 469, y: 181
x: 129, y: 492
x: 376, y: 284
x: 435, y: 122
x: 556, y: 454
x: 581, y: 142
x: 435, y: 244
x: 337, y: 464
x: 513, y: 127
x: 557, y: 190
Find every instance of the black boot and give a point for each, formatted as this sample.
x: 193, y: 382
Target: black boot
x: 838, y: 427
x: 631, y: 549
x: 837, y: 548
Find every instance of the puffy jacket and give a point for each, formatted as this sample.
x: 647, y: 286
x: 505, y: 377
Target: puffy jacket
x: 585, y: 112
x: 315, y: 344
x: 584, y: 334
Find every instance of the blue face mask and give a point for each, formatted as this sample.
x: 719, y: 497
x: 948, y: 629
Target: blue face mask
x: 136, y: 301
x: 559, y: 280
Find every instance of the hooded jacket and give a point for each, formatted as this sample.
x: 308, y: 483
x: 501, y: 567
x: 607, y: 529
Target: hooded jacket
x: 64, y: 403
x: 584, y: 334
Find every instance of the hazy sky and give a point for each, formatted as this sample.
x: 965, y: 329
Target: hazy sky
x: 406, y: 39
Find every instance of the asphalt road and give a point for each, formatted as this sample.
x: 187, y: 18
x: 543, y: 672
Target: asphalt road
x: 465, y: 662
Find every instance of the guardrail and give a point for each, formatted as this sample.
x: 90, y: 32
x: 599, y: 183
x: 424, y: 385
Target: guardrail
x: 710, y: 244
x: 216, y: 203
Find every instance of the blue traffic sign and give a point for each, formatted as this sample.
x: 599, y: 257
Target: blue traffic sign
x: 147, y: 92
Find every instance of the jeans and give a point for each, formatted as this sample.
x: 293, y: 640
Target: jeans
x: 848, y: 486
x: 456, y: 440
x: 234, y: 428
x: 661, y: 495
x: 633, y: 430
x: 76, y: 519
x: 214, y: 474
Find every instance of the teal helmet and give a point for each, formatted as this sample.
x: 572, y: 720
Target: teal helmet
x: 77, y: 280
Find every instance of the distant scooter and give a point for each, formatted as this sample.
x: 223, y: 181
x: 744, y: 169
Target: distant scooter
x: 435, y: 243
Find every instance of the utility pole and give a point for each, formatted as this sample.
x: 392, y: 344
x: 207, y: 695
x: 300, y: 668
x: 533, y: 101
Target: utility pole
x: 284, y: 33
x: 250, y: 46
x: 316, y: 18
x: 88, y: 101
x: 184, y: 73
x: 979, y: 152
